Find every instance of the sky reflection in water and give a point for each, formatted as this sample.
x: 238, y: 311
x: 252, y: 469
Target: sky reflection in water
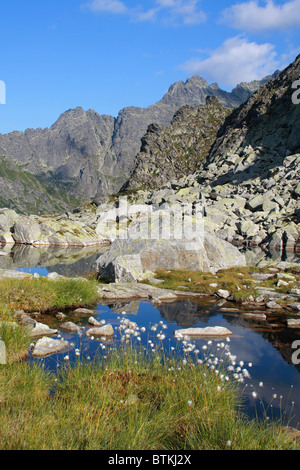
x: 263, y: 350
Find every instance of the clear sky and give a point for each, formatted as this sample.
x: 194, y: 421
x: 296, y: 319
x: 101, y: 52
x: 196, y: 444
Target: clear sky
x: 109, y: 54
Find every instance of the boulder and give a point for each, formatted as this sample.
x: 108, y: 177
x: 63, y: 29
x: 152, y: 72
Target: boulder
x: 224, y: 294
x: 70, y: 327
x: 26, y: 231
x: 134, y: 260
x: 47, y: 346
x: 106, y: 330
x: 94, y: 322
x: 39, y: 329
x: 210, y: 331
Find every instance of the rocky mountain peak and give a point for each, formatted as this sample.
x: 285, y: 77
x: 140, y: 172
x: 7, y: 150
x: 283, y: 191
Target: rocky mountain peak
x: 268, y: 119
x: 91, y: 155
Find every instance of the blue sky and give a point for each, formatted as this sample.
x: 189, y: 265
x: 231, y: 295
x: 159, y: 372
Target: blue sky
x: 108, y: 54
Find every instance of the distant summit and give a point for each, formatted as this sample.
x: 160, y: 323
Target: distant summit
x: 87, y: 155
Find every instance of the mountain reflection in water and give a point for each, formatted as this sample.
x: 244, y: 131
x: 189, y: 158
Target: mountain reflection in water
x: 263, y: 348
x: 66, y: 261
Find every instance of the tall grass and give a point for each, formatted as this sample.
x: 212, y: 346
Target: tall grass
x: 128, y: 401
x: 44, y: 295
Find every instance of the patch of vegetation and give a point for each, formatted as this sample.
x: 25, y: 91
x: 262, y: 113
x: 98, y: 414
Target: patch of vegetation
x: 44, y: 295
x: 238, y: 281
x: 128, y: 401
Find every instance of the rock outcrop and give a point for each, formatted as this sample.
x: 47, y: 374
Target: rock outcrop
x: 70, y: 229
x: 171, y: 152
x: 249, y: 181
x: 145, y: 247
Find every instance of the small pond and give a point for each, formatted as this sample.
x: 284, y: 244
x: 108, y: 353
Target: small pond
x: 258, y: 352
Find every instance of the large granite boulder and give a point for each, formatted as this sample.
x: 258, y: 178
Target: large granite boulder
x: 132, y: 260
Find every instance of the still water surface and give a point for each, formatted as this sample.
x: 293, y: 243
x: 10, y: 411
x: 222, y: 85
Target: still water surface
x: 262, y: 348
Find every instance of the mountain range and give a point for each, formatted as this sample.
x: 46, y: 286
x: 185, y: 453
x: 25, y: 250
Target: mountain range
x: 85, y: 155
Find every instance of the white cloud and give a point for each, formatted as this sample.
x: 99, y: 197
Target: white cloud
x: 237, y: 60
x: 168, y: 11
x: 188, y: 11
x: 252, y: 17
x: 109, y: 6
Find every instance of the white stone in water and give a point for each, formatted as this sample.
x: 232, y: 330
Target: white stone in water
x: 84, y: 311
x: 106, y: 330
x: 94, y: 322
x: 70, y: 327
x: 40, y: 329
x: 213, y: 331
x: 47, y: 346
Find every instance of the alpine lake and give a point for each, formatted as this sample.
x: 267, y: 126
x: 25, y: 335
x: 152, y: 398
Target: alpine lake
x: 260, y: 352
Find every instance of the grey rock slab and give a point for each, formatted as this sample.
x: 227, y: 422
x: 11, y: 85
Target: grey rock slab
x: 103, y: 331
x: 254, y: 316
x: 214, y: 331
x: 46, y: 346
x: 40, y: 329
x: 272, y: 305
x: 70, y: 327
x: 10, y: 273
x: 262, y: 276
x: 94, y: 322
x: 134, y: 291
x: 84, y: 311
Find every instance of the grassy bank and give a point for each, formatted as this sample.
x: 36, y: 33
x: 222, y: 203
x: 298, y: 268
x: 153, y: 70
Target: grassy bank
x: 38, y: 295
x: 129, y: 401
x: 44, y: 295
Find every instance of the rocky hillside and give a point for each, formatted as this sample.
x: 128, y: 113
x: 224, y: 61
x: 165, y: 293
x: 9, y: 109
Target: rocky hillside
x: 177, y: 150
x: 27, y: 193
x: 249, y: 183
x: 88, y: 155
